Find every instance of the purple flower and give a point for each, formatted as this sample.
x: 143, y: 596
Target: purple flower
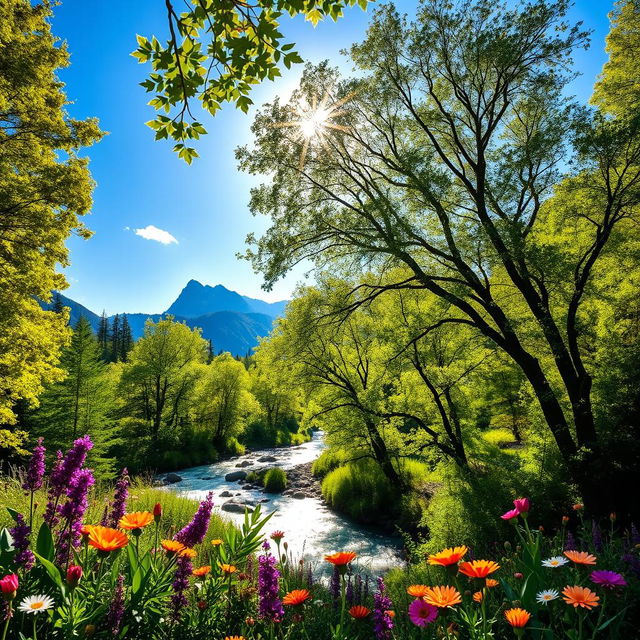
x: 196, y: 530
x: 35, y: 471
x: 334, y: 586
x: 268, y: 587
x: 20, y: 533
x: 608, y: 579
x: 120, y: 495
x: 596, y: 536
x: 422, y: 613
x: 73, y: 512
x: 382, y: 621
x: 116, y: 608
x: 53, y: 495
x: 184, y: 568
x: 349, y: 592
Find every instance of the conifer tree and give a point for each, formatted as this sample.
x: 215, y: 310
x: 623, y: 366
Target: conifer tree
x: 103, y: 336
x: 115, y: 339
x: 211, y: 354
x: 126, y: 339
x: 56, y: 304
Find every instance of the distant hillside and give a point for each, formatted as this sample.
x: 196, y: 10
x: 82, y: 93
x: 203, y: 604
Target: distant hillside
x: 232, y: 322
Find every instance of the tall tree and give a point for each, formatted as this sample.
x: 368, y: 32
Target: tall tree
x: 115, y: 338
x: 56, y: 305
x: 44, y: 189
x: 442, y: 157
x: 126, y: 340
x: 103, y: 336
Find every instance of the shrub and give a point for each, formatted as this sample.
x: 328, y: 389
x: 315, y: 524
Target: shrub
x: 275, y: 480
x: 329, y: 460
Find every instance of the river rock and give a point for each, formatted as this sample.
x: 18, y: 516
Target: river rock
x: 172, y: 478
x: 244, y: 463
x: 225, y: 494
x: 299, y: 495
x: 236, y: 507
x: 268, y: 459
x: 234, y: 475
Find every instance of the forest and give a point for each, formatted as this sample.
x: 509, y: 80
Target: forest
x: 470, y: 339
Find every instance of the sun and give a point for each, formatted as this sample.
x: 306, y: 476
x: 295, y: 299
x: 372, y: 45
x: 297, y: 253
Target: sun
x: 315, y: 121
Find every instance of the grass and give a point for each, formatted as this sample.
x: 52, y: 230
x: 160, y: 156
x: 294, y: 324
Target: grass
x: 275, y: 480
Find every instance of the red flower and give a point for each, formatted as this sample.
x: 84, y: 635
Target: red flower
x: 9, y: 585
x: 157, y: 511
x: 74, y: 573
x: 296, y: 597
x: 359, y: 612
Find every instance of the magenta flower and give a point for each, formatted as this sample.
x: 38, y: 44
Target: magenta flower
x: 196, y: 530
x: 35, y: 471
x: 422, y: 613
x: 514, y: 513
x: 521, y: 505
x: 609, y: 579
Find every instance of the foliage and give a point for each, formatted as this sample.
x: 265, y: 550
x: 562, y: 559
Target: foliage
x: 216, y: 53
x: 45, y: 188
x: 275, y: 480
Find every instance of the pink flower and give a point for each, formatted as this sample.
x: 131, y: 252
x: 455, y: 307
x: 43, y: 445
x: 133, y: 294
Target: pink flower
x: 510, y: 515
x: 422, y: 613
x: 9, y: 586
x: 74, y: 574
x: 521, y: 505
x: 609, y: 579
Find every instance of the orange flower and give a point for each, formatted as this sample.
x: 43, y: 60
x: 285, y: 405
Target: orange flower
x: 342, y: 558
x: 106, y: 539
x: 580, y: 557
x: 580, y: 597
x: 216, y: 542
x: 490, y: 582
x: 478, y: 568
x: 137, y: 520
x: 172, y: 546
x: 296, y: 597
x: 234, y: 638
x: 449, y: 556
x: 86, y: 528
x: 443, y: 596
x: 417, y: 590
x: 201, y: 571
x: 390, y: 613
x: 477, y: 596
x: 359, y: 612
x: 228, y: 568
x: 517, y: 618
x: 188, y: 553
x: 578, y: 507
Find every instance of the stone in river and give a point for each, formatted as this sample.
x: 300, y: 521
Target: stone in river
x: 236, y: 507
x: 172, y: 478
x: 299, y: 495
x: 244, y: 463
x: 268, y: 459
x: 235, y: 475
x: 225, y: 494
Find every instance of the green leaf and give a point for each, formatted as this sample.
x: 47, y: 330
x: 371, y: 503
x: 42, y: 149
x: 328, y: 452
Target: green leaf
x: 53, y: 572
x: 44, y: 542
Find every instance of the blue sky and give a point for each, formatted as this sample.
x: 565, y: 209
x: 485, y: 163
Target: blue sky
x: 141, y: 182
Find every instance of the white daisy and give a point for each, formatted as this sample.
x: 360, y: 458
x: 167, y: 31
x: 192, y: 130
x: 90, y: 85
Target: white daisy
x: 547, y: 596
x: 556, y: 561
x: 35, y: 604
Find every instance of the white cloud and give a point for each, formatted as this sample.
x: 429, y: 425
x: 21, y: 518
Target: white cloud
x: 151, y: 232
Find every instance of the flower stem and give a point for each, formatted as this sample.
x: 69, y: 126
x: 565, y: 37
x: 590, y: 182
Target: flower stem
x: 6, y: 624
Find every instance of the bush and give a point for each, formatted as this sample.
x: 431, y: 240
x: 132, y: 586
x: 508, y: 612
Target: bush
x: 275, y: 480
x: 328, y: 461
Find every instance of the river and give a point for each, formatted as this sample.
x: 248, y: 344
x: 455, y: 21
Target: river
x: 311, y: 529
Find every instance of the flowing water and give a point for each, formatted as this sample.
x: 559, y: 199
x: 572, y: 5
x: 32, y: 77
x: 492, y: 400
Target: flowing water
x: 311, y: 528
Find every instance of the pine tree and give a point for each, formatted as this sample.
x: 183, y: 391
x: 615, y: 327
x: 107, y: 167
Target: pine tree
x: 126, y: 339
x: 103, y: 336
x: 56, y: 304
x: 80, y: 403
x: 211, y: 355
x: 115, y: 339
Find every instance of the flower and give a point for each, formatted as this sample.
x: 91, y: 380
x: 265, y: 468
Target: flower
x: 509, y: 515
x: 443, y: 596
x: 490, y: 582
x: 35, y: 604
x: 522, y: 505
x: 449, y: 556
x: 228, y: 568
x: 73, y: 512
x: 35, y: 471
x: 171, y: 546
x: 119, y: 503
x: 417, y: 590
x: 196, y: 530
x: 270, y: 606
x: 517, y: 618
x: 74, y: 574
x: 296, y: 597
x: 477, y: 596
x: 276, y: 536
x: 609, y: 579
x: 216, y: 542
x: 157, y: 511
x: 421, y: 613
x: 556, y: 561
x: 390, y: 613
x: 20, y: 533
x: 547, y: 596
x: 9, y: 585
x: 342, y: 558
x: 578, y: 507
x: 106, y: 539
x: 478, y: 568
x: 202, y: 605
x: 136, y: 520
x: 188, y: 553
x: 565, y: 520
x: 580, y: 557
x: 580, y: 597
x: 234, y: 638
x: 518, y: 575
x: 180, y: 584
x: 382, y: 619
x: 201, y: 571
x: 359, y: 612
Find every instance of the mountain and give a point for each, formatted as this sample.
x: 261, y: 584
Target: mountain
x: 198, y: 299
x: 231, y: 321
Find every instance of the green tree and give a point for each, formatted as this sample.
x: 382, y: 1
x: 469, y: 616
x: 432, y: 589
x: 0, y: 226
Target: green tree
x: 44, y: 189
x: 80, y: 404
x: 447, y: 148
x: 103, y: 336
x: 160, y: 375
x: 126, y: 340
x: 115, y: 339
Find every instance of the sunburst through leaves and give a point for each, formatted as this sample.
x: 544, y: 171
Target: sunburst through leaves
x: 316, y: 121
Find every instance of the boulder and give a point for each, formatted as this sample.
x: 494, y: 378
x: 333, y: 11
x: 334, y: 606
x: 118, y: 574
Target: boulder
x: 236, y: 507
x: 172, y: 478
x: 235, y: 475
x: 244, y: 463
x: 299, y: 495
x: 225, y: 494
x: 268, y: 459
